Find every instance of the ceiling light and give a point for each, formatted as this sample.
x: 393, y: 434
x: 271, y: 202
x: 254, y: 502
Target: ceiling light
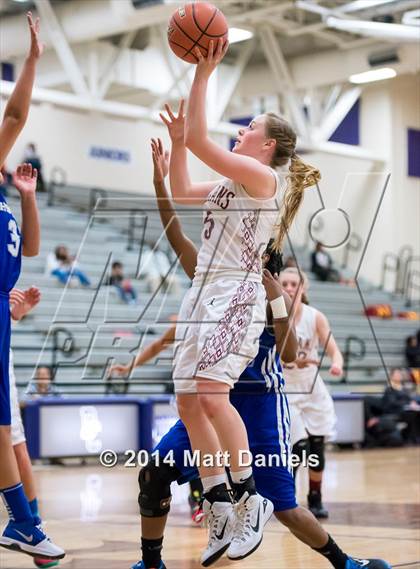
x: 20, y: 1
x: 359, y: 5
x: 238, y: 34
x: 373, y: 75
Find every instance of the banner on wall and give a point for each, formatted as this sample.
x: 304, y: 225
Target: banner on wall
x: 113, y: 154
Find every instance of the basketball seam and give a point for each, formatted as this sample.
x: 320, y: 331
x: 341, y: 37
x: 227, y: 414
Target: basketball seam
x: 202, y: 31
x: 207, y: 27
x: 191, y: 39
x: 183, y: 47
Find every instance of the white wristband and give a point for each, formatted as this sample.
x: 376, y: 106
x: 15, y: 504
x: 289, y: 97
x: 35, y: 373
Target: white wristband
x: 278, y: 306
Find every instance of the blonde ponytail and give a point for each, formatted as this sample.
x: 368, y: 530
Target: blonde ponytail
x: 300, y: 177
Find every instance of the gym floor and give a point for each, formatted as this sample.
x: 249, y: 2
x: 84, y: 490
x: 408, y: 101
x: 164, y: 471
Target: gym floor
x: 372, y: 497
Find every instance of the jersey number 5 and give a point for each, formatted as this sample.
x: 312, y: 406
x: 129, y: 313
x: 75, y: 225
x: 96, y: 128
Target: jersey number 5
x: 13, y: 247
x: 208, y: 219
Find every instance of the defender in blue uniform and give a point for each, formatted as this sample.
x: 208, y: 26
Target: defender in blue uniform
x: 258, y: 396
x: 10, y: 262
x: 23, y: 532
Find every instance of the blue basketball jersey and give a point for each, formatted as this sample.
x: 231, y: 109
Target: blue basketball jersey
x: 264, y: 374
x: 260, y: 400
x: 10, y: 248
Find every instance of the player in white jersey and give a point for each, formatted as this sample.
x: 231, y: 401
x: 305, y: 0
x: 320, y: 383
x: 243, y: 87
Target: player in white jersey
x: 311, y: 406
x: 223, y: 314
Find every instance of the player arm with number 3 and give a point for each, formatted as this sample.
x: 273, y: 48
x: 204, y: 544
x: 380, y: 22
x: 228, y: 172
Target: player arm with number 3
x: 25, y: 179
x: 17, y: 108
x: 14, y: 120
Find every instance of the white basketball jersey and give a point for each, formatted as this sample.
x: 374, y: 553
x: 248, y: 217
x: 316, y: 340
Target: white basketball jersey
x: 236, y: 231
x: 308, y: 344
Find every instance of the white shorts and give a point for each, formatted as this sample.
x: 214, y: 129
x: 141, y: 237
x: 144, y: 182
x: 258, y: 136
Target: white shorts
x: 217, y: 332
x: 17, y: 430
x: 311, y: 413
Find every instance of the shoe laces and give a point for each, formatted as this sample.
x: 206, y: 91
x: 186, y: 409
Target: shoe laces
x: 242, y: 527
x: 40, y: 528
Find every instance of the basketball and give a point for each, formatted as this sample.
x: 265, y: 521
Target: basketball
x: 196, y: 25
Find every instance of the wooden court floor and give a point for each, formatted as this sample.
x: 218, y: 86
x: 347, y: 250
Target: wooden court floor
x: 373, y: 498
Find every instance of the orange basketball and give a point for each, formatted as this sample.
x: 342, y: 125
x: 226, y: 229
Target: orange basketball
x: 195, y: 25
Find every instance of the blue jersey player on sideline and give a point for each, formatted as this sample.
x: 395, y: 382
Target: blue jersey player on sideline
x: 23, y: 532
x: 258, y: 396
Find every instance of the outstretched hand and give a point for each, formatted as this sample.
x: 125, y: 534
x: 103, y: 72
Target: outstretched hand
x: 22, y: 302
x: 37, y: 47
x: 25, y: 179
x: 160, y: 158
x: 118, y: 369
x: 175, y: 124
x: 215, y: 54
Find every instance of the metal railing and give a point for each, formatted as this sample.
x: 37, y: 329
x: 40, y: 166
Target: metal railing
x: 406, y: 272
x: 96, y: 194
x: 390, y: 265
x: 412, y: 285
x: 350, y: 354
x: 404, y: 254
x: 133, y: 226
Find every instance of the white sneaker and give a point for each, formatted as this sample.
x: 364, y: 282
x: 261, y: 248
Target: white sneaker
x: 221, y: 520
x: 29, y: 539
x: 252, y: 513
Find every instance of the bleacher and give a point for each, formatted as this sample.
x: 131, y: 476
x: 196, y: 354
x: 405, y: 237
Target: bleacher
x: 94, y: 325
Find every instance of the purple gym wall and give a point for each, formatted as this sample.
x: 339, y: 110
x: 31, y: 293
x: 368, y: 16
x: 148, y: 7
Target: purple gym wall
x: 413, y: 151
x: 347, y: 131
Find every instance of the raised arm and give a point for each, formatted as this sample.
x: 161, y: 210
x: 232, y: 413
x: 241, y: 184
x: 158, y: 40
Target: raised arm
x: 148, y: 353
x: 25, y: 179
x: 184, y: 248
x: 17, y: 108
x: 183, y: 191
x: 327, y: 340
x: 284, y: 330
x: 255, y: 176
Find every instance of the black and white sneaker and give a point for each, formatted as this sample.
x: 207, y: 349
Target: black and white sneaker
x: 252, y: 513
x: 221, y: 520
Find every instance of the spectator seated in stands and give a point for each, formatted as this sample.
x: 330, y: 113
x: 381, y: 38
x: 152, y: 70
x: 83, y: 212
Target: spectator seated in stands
x: 32, y: 157
x: 394, y: 418
x: 322, y: 265
x: 62, y: 265
x: 156, y: 269
x: 43, y: 385
x: 412, y: 350
x: 123, y: 285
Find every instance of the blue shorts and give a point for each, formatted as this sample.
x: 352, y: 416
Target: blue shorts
x: 5, y: 414
x: 267, y: 421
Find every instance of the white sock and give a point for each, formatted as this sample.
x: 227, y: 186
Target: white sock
x: 242, y: 475
x: 210, y: 482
